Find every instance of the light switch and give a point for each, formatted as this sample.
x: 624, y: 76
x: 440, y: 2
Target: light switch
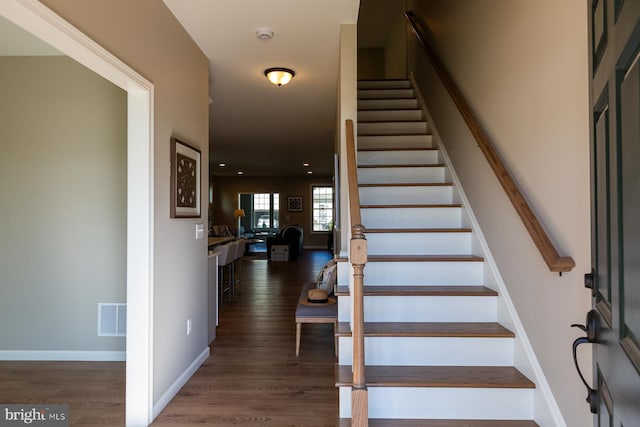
x: 199, y: 231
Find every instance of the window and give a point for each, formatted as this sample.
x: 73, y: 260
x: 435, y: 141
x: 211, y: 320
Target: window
x: 322, y: 202
x: 262, y: 211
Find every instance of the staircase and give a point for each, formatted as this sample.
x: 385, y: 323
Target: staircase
x: 435, y: 352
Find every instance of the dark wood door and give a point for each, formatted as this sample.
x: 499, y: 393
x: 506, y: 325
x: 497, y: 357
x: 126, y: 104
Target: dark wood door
x: 614, y: 33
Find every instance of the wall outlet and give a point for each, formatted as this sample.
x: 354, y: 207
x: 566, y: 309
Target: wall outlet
x: 189, y: 324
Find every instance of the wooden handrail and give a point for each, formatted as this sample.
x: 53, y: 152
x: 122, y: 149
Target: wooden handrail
x: 554, y: 261
x: 358, y: 258
x: 352, y: 171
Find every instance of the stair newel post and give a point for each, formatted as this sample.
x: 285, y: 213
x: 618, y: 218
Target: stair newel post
x: 359, y: 398
x: 358, y: 259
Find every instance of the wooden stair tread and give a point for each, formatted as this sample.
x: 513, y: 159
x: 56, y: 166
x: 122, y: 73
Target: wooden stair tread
x: 384, y: 84
x: 418, y: 230
x: 420, y: 290
x: 443, y: 423
x: 396, y: 134
x: 394, y: 121
x: 398, y: 149
x: 386, y: 108
x: 429, y: 329
x: 437, y: 376
x: 417, y: 165
x: 414, y: 206
x: 424, y: 258
x: 409, y: 184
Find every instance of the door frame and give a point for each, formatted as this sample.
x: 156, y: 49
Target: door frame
x: 39, y: 20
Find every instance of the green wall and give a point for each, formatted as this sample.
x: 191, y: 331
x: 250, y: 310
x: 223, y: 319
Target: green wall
x: 63, y: 215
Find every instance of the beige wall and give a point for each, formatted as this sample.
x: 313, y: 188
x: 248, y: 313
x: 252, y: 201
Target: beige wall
x: 370, y: 63
x: 63, y: 173
x: 145, y: 35
x: 226, y: 190
x: 523, y: 67
x: 347, y: 109
x: 395, y: 49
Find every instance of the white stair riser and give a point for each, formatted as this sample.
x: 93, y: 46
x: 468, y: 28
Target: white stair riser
x: 392, y: 128
x: 385, y: 93
x: 406, y: 157
x: 344, y: 274
x: 458, y: 243
x: 423, y: 309
x: 389, y: 115
x: 444, y: 403
x: 405, y: 175
x: 384, y: 84
x: 395, y: 141
x: 387, y: 104
x: 426, y: 351
x: 397, y: 123
x: 423, y: 273
x: 406, y: 195
x: 411, y: 217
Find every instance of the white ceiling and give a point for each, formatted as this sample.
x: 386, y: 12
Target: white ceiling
x: 255, y: 126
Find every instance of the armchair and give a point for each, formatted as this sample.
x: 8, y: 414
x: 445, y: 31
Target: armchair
x: 291, y: 235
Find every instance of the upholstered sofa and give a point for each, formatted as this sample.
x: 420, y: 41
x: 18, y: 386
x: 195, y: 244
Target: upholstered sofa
x: 291, y: 235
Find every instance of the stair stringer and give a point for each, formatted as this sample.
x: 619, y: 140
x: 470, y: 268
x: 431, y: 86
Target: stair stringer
x: 546, y: 409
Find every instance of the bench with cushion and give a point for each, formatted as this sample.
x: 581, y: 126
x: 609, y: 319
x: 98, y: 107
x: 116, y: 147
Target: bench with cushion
x: 314, y: 314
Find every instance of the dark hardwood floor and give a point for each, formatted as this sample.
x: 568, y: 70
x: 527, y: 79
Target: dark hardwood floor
x: 252, y: 377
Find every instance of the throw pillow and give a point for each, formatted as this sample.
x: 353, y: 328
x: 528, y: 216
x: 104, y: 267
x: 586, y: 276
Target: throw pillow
x: 328, y: 279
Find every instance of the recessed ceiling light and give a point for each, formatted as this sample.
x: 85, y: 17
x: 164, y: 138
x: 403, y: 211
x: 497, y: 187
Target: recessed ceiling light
x: 222, y: 165
x: 309, y: 172
x: 306, y: 164
x: 240, y: 173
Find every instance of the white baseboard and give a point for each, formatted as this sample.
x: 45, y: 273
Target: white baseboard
x: 64, y: 355
x: 166, y: 397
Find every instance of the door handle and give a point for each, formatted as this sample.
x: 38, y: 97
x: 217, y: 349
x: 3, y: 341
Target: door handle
x: 591, y: 329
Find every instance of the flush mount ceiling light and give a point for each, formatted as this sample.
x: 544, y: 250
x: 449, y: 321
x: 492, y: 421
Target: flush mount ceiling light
x: 279, y: 76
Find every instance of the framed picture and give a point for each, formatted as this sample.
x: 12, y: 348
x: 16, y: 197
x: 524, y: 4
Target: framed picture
x: 185, y: 180
x: 294, y: 204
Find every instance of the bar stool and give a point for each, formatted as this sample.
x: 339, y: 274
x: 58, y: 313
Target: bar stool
x: 242, y: 244
x: 231, y: 260
x: 225, y: 258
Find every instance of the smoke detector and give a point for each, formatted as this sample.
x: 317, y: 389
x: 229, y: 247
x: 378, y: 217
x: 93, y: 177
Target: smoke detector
x: 264, y: 34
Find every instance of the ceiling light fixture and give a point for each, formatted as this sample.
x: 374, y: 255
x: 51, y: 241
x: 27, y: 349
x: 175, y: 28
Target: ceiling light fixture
x: 279, y: 76
x: 222, y: 165
x: 306, y: 165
